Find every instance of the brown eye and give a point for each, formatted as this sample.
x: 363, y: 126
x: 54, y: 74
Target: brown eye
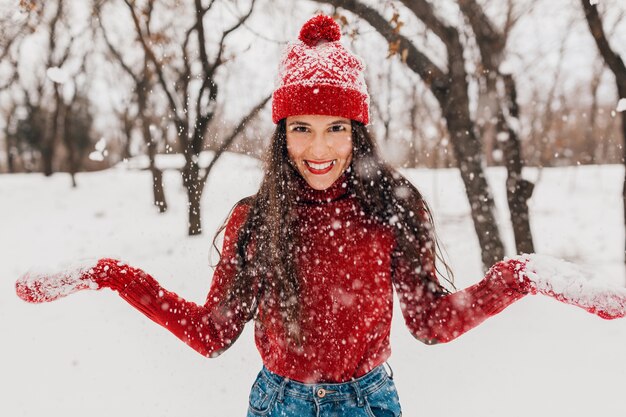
x: 337, y: 128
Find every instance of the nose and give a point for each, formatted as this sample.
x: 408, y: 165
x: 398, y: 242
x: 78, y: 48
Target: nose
x: 319, y: 145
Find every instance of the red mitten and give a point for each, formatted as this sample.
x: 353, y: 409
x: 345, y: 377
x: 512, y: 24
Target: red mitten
x: 511, y: 274
x: 571, y: 284
x: 44, y: 286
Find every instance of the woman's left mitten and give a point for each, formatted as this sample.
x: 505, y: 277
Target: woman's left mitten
x: 38, y: 286
x: 510, y: 274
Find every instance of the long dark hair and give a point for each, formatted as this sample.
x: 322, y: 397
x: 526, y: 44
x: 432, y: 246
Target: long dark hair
x: 383, y: 194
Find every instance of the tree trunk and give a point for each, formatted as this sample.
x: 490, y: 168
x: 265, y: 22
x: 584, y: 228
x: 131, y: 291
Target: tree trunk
x: 621, y: 90
x: 46, y: 159
x: 9, y: 143
x: 454, y: 101
x: 143, y: 86
x: 48, y: 133
x: 624, y: 162
x: 157, y: 187
x: 70, y: 146
x: 157, y: 174
x: 127, y: 125
x: 503, y: 103
x: 10, y: 157
x: 191, y: 180
x: 52, y: 133
x: 192, y: 184
x: 469, y: 156
x: 518, y: 190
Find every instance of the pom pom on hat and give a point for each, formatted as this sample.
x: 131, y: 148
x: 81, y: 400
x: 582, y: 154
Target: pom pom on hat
x: 320, y: 28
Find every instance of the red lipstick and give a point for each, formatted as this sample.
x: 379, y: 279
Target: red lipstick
x: 314, y: 167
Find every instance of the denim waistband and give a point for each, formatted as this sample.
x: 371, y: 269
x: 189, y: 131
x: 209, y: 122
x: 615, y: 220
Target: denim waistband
x: 322, y: 392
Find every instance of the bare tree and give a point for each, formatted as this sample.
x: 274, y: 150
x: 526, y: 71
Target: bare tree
x: 49, y: 122
x: 616, y: 64
x: 11, y: 35
x: 192, y: 107
x: 143, y: 80
x: 450, y: 88
x: 9, y: 59
x: 43, y: 97
x: 501, y: 90
x: 78, y: 122
x: 55, y: 132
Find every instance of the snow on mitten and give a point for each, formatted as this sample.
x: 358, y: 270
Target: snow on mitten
x: 39, y: 286
x: 510, y: 274
x: 570, y: 284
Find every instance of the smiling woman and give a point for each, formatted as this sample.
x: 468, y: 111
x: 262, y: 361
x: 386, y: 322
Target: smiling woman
x: 314, y: 256
x: 320, y: 147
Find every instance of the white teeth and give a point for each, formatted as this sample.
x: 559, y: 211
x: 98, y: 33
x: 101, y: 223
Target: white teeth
x: 320, y: 166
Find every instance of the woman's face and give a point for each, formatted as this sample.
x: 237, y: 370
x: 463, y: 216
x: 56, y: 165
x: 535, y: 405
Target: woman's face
x: 320, y: 147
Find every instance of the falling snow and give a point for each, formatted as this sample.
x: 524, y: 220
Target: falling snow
x: 58, y: 75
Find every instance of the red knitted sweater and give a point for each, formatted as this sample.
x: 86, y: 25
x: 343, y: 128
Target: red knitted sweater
x: 348, y: 270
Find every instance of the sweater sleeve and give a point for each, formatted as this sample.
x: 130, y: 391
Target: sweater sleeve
x: 210, y: 328
x: 434, y: 315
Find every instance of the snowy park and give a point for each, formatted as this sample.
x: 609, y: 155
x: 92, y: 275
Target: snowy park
x: 328, y: 208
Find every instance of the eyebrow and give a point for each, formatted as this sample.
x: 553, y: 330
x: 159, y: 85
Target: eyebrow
x: 345, y: 122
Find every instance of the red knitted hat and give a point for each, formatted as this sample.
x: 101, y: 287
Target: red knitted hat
x: 317, y: 75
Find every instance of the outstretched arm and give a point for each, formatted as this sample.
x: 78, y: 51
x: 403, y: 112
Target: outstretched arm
x: 433, y: 315
x: 209, y: 328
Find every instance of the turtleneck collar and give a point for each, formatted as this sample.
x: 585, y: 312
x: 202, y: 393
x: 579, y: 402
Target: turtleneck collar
x: 306, y: 194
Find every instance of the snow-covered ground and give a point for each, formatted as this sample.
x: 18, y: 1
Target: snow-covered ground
x: 92, y: 354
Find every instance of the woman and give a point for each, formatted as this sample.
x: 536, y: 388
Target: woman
x: 314, y: 256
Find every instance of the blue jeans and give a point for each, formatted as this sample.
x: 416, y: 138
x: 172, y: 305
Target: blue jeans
x: 372, y: 395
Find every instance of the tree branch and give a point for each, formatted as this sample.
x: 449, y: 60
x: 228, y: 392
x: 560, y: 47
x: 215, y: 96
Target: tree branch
x: 490, y: 38
x: 115, y: 52
x: 209, y: 70
x: 613, y: 60
x: 158, y: 68
x: 425, y: 12
x: 418, y: 62
x: 218, y: 59
x: 199, y: 27
x: 231, y: 138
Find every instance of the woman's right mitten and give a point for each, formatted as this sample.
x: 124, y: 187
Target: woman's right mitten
x: 40, y: 286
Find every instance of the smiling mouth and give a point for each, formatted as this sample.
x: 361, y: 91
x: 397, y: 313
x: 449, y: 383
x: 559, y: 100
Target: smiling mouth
x: 318, y: 169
